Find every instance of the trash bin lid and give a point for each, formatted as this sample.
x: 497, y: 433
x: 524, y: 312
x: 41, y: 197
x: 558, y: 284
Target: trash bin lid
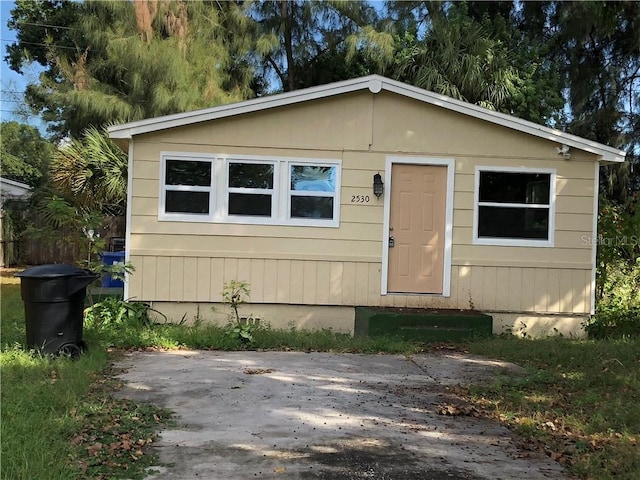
x: 54, y: 270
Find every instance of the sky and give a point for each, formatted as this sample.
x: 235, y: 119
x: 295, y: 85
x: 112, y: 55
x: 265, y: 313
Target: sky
x: 13, y: 84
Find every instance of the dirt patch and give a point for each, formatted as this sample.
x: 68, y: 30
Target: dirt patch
x: 341, y: 462
x: 8, y: 275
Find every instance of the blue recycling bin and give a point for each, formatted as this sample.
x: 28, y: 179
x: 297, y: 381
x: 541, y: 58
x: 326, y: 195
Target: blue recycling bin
x: 108, y: 259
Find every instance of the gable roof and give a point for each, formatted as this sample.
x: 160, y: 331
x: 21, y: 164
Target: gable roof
x: 375, y: 84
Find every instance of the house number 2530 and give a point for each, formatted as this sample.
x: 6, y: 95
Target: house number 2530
x: 359, y: 198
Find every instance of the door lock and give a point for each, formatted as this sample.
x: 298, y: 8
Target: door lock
x: 392, y: 242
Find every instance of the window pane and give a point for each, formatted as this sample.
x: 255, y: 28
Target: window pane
x: 311, y: 207
x: 250, y: 175
x: 249, y: 204
x: 185, y: 172
x: 187, y: 202
x: 313, y: 179
x: 500, y: 222
x: 505, y: 187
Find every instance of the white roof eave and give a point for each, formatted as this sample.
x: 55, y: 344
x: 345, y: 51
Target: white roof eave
x: 13, y: 189
x: 375, y: 84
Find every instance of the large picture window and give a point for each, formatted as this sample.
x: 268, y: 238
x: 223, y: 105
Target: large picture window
x: 250, y: 189
x: 514, y: 207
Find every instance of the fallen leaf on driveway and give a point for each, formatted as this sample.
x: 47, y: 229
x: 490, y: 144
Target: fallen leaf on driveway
x: 258, y: 371
x: 457, y: 410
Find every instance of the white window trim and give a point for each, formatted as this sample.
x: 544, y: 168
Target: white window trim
x: 448, y: 234
x: 281, y: 193
x: 594, y: 243
x: 186, y: 217
x: 513, y: 242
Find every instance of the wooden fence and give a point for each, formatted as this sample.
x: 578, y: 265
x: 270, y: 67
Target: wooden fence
x: 36, y: 250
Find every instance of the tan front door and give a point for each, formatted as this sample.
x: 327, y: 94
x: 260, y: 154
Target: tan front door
x: 417, y: 228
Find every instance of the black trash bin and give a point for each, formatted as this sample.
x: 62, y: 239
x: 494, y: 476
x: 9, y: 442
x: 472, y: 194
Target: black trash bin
x: 53, y: 297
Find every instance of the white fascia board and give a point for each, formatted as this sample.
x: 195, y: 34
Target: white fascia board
x: 18, y: 185
x: 375, y: 84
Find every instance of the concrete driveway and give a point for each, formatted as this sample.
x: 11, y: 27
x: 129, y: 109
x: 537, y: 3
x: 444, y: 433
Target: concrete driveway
x: 292, y: 415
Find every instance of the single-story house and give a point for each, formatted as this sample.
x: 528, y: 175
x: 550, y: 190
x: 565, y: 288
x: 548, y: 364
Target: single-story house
x: 365, y: 192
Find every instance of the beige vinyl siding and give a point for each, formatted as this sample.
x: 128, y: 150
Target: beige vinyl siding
x: 252, y: 247
x: 191, y: 261
x: 148, y: 149
x: 326, y: 124
x: 404, y: 125
x: 565, y: 240
x: 145, y: 169
x: 350, y: 231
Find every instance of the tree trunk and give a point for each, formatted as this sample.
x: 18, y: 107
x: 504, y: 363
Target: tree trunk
x: 288, y: 46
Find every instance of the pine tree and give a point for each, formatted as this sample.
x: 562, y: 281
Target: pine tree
x: 470, y: 54
x: 134, y: 60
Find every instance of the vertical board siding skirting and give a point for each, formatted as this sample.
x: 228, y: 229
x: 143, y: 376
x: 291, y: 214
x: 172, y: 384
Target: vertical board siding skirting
x: 312, y: 282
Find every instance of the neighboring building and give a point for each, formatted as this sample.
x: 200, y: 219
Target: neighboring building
x: 480, y: 210
x: 10, y: 189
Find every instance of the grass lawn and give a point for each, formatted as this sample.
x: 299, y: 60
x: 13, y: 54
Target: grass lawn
x: 58, y: 420
x: 578, y: 401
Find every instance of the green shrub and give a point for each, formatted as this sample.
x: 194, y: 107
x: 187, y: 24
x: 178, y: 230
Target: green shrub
x: 618, y: 308
x: 115, y: 312
x: 618, y: 271
x: 615, y: 323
